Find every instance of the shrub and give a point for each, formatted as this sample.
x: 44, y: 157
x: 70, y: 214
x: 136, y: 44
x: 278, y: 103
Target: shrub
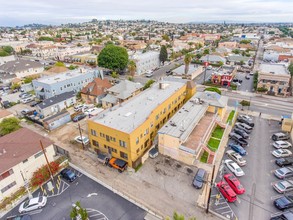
x: 213, y: 89
x: 42, y: 174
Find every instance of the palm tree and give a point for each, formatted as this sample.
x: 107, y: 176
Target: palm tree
x: 187, y: 60
x: 132, y: 67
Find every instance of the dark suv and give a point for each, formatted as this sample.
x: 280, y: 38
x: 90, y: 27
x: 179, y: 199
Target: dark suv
x: 68, y: 174
x: 246, y: 121
x: 241, y: 132
x: 238, y: 139
x: 199, y: 178
x: 284, y: 161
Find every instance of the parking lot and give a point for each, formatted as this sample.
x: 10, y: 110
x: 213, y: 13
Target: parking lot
x: 257, y: 201
x: 100, y: 202
x: 247, y: 84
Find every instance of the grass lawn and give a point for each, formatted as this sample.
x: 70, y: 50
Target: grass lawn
x: 204, y: 157
x: 218, y: 132
x: 230, y: 117
x: 213, y: 144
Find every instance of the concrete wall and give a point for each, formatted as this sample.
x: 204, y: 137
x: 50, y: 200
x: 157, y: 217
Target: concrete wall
x: 27, y: 169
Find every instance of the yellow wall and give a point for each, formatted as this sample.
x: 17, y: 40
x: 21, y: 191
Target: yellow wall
x: 136, y: 150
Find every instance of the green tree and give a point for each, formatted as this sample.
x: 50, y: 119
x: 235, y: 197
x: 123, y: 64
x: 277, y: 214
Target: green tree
x: 187, y: 60
x: 163, y: 54
x: 245, y: 103
x: 78, y: 212
x: 15, y: 86
x: 148, y: 84
x: 8, y: 49
x: 206, y: 51
x: 9, y: 125
x: 241, y: 62
x: 3, y: 53
x: 60, y: 64
x: 290, y: 69
x: 177, y: 216
x: 221, y: 63
x: 28, y: 80
x: 245, y: 41
x: 45, y: 39
x: 236, y: 51
x: 132, y: 67
x: 262, y: 89
x: 114, y: 75
x: 113, y: 57
x: 166, y: 37
x: 72, y: 67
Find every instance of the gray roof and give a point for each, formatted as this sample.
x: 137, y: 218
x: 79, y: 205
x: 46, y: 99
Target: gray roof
x: 213, y: 58
x: 56, y: 99
x: 212, y: 98
x: 185, y: 120
x: 125, y: 88
x: 19, y: 65
x: 181, y: 69
x: 130, y: 114
x: 110, y: 98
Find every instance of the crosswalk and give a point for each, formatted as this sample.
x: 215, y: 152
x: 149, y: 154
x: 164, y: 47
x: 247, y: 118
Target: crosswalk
x: 94, y: 214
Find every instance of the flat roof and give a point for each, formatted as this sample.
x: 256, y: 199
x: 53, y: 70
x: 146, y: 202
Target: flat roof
x: 62, y: 76
x: 276, y: 69
x: 185, y: 120
x: 181, y: 69
x: 127, y: 116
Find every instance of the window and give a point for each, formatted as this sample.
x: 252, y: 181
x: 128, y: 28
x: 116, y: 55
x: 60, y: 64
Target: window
x: 169, y: 107
x: 8, y: 187
x: 38, y: 154
x: 107, y: 138
x: 152, y: 124
x: 6, y: 174
x: 122, y: 143
x: 157, y: 116
x: 137, y: 140
x: 137, y: 151
x: 95, y: 143
x: 93, y: 132
x: 123, y: 155
x: 112, y: 149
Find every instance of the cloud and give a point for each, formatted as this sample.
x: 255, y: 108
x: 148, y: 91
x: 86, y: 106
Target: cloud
x: 19, y: 12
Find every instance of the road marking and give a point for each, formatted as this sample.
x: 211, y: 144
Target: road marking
x: 276, y: 197
x: 225, y: 207
x: 275, y: 214
x: 226, y: 212
x: 92, y: 194
x: 252, y: 201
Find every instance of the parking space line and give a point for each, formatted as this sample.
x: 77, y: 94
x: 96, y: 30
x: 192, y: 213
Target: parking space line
x: 276, y: 197
x: 226, y: 212
x: 221, y: 203
x: 275, y: 214
x: 225, y: 207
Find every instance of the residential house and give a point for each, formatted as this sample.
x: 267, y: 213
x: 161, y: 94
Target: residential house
x: 127, y: 131
x: 75, y: 80
x: 93, y: 92
x: 86, y: 58
x: 228, y: 44
x: 57, y: 120
x: 20, y: 156
x: 238, y: 60
x: 56, y: 104
x: 275, y: 78
x: 193, y: 71
x: 120, y: 93
x: 21, y: 68
x: 213, y: 59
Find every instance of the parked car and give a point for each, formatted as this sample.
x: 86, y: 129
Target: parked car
x: 149, y: 75
x: 68, y: 174
x: 78, y: 117
x: 83, y: 140
x: 234, y: 183
x: 227, y: 191
x: 19, y: 217
x: 284, y: 172
x: 24, y: 95
x: 78, y: 108
x: 238, y: 139
x: 6, y: 104
x: 27, y: 100
x: 245, y: 121
x: 33, y: 204
x: 247, y: 77
x: 241, y: 132
x: 244, y: 127
x: 285, y: 202
x: 89, y: 111
x: 280, y: 137
x: 282, y: 153
x: 234, y: 168
x: 238, y: 149
x: 25, y: 111
x: 236, y: 157
x: 118, y: 164
x: 283, y: 186
x: 282, y: 144
x: 35, y: 103
x: 283, y: 216
x: 284, y: 161
x: 168, y: 72
x: 153, y: 153
x: 199, y: 178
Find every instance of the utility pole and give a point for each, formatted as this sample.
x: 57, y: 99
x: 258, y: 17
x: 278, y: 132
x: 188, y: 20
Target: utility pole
x: 81, y: 136
x: 26, y: 186
x: 51, y: 174
x: 210, y: 192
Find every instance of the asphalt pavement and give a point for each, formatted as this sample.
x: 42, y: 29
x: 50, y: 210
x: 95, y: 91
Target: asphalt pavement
x: 100, y: 202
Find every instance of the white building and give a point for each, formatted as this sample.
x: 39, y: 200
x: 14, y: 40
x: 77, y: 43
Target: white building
x: 20, y: 157
x: 146, y: 61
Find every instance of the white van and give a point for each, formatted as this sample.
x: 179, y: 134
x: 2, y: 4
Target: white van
x: 27, y: 100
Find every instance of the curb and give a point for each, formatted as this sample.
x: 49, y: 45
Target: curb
x: 128, y: 198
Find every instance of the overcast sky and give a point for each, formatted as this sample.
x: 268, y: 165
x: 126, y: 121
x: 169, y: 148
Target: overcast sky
x: 19, y: 12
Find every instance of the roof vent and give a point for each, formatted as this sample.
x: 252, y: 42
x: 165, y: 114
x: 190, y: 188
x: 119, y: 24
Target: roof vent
x: 4, y: 151
x: 128, y: 114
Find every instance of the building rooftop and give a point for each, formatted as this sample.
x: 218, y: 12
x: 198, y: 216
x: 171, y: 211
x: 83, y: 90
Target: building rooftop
x: 19, y: 65
x: 124, y: 89
x: 127, y: 116
x: 62, y: 76
x: 181, y: 69
x: 185, y: 120
x: 224, y: 70
x: 56, y: 99
x: 18, y: 146
x: 276, y: 69
x: 212, y: 98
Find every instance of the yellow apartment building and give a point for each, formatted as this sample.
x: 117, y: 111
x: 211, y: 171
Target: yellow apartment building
x: 126, y: 131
